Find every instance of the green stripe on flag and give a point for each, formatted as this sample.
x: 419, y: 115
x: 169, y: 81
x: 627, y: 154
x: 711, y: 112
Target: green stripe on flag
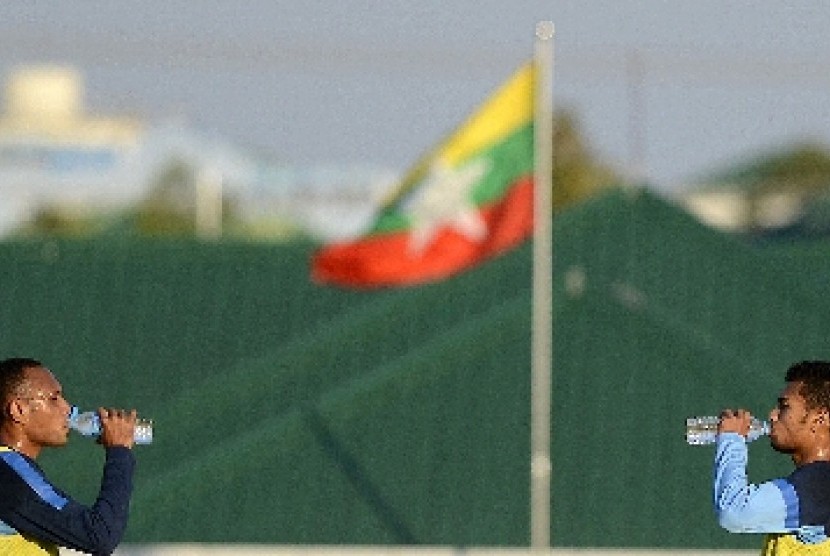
x: 508, y: 161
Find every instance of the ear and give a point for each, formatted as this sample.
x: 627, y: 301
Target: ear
x: 17, y: 411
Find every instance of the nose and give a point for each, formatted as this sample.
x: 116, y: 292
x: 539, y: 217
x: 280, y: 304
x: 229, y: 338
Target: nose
x: 773, y: 415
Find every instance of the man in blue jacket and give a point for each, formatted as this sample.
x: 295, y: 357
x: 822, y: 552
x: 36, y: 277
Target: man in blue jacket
x: 795, y: 510
x: 36, y: 517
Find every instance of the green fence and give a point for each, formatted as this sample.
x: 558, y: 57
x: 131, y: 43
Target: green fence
x: 291, y: 413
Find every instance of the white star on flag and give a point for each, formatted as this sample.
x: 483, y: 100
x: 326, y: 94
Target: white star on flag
x: 444, y: 199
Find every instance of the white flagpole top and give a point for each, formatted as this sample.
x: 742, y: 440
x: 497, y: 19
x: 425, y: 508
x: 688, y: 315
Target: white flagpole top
x: 544, y: 30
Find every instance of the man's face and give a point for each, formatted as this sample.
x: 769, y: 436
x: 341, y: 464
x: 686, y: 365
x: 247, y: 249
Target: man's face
x: 47, y: 410
x: 790, y: 420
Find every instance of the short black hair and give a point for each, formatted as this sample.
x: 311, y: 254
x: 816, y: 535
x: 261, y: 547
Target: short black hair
x: 814, y: 377
x: 12, y: 376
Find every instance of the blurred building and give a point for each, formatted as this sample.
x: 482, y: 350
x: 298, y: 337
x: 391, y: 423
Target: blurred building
x: 781, y: 191
x: 734, y: 209
x: 45, y: 104
x: 52, y: 152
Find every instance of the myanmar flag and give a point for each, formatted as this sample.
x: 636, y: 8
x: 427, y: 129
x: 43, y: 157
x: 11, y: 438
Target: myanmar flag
x: 469, y: 199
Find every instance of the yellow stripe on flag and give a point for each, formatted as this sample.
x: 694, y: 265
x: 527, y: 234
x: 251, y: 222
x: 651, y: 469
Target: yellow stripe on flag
x: 508, y: 109
x: 505, y: 111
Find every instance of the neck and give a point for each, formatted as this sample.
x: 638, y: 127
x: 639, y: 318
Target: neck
x: 814, y: 454
x: 18, y: 443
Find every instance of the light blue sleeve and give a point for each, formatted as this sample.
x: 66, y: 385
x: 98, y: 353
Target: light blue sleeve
x: 741, y: 507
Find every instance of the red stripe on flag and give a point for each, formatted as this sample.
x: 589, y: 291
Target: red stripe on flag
x: 386, y: 260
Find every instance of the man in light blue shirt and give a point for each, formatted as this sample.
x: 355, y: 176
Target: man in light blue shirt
x: 795, y: 510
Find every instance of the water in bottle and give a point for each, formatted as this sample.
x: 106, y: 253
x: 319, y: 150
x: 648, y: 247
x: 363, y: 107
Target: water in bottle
x: 704, y: 430
x: 89, y: 424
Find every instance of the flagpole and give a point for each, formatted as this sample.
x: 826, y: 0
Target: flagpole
x: 542, y: 312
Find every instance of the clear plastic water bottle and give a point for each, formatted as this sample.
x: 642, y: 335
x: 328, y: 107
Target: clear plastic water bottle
x: 88, y: 423
x: 704, y: 430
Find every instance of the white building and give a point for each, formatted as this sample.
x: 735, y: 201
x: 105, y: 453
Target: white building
x: 53, y: 152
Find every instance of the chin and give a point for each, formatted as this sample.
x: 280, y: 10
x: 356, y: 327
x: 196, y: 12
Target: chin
x: 58, y: 442
x: 779, y: 447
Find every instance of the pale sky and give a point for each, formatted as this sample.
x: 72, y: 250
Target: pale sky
x: 679, y: 88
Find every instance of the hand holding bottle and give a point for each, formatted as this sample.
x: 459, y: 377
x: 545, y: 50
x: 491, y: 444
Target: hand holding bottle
x: 117, y: 427
x: 704, y: 430
x: 738, y: 421
x: 88, y: 423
